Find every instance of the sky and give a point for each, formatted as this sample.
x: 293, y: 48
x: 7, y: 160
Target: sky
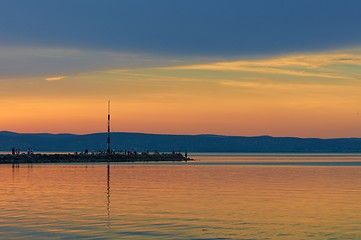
x: 234, y: 67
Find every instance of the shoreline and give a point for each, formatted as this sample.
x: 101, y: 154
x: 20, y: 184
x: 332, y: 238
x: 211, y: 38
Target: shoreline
x: 89, y: 158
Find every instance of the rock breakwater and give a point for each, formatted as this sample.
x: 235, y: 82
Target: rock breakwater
x: 92, y: 158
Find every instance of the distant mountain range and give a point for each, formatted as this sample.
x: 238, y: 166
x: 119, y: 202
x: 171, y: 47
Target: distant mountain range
x: 166, y: 143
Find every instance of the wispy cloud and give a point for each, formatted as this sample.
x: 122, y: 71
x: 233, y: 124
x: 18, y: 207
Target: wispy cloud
x: 271, y: 85
x: 56, y: 78
x: 310, y: 65
x: 25, y: 61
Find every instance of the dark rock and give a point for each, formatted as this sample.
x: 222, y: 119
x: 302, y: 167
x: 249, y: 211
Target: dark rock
x: 79, y: 158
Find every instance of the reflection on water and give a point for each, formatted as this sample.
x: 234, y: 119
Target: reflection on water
x: 108, y: 193
x: 199, y: 200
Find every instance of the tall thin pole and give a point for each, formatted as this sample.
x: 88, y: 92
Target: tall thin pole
x: 108, y: 140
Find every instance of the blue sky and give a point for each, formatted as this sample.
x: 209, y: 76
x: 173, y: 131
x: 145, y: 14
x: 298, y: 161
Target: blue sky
x: 186, y: 27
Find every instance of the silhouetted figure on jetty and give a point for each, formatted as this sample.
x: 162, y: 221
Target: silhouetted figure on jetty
x: 30, y: 151
x: 13, y: 151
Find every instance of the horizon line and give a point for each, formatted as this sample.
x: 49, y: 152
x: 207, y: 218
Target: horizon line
x: 175, y: 134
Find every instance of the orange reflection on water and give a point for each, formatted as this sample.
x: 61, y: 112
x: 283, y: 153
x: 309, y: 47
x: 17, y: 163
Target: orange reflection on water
x: 183, y: 201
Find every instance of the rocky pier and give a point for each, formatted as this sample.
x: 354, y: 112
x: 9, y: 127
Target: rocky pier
x: 89, y: 158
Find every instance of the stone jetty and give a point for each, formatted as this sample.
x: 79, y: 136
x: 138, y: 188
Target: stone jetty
x: 89, y: 158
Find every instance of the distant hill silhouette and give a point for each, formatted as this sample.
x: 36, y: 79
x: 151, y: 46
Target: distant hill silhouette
x: 182, y: 143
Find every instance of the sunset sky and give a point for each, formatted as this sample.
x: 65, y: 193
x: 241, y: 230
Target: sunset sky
x: 250, y: 67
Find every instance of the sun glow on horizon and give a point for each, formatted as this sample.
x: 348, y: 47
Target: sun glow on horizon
x: 304, y: 95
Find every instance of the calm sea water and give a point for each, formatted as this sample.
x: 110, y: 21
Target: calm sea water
x: 214, y: 197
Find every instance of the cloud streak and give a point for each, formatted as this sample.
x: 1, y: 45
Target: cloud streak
x: 326, y: 66
x: 40, y: 61
x: 57, y: 78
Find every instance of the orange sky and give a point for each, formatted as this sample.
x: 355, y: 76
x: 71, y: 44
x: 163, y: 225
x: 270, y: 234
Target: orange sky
x: 304, y: 95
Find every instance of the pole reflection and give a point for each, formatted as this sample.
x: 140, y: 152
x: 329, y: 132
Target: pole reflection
x: 108, y: 194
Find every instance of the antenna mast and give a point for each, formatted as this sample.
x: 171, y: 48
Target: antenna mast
x: 108, y: 140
